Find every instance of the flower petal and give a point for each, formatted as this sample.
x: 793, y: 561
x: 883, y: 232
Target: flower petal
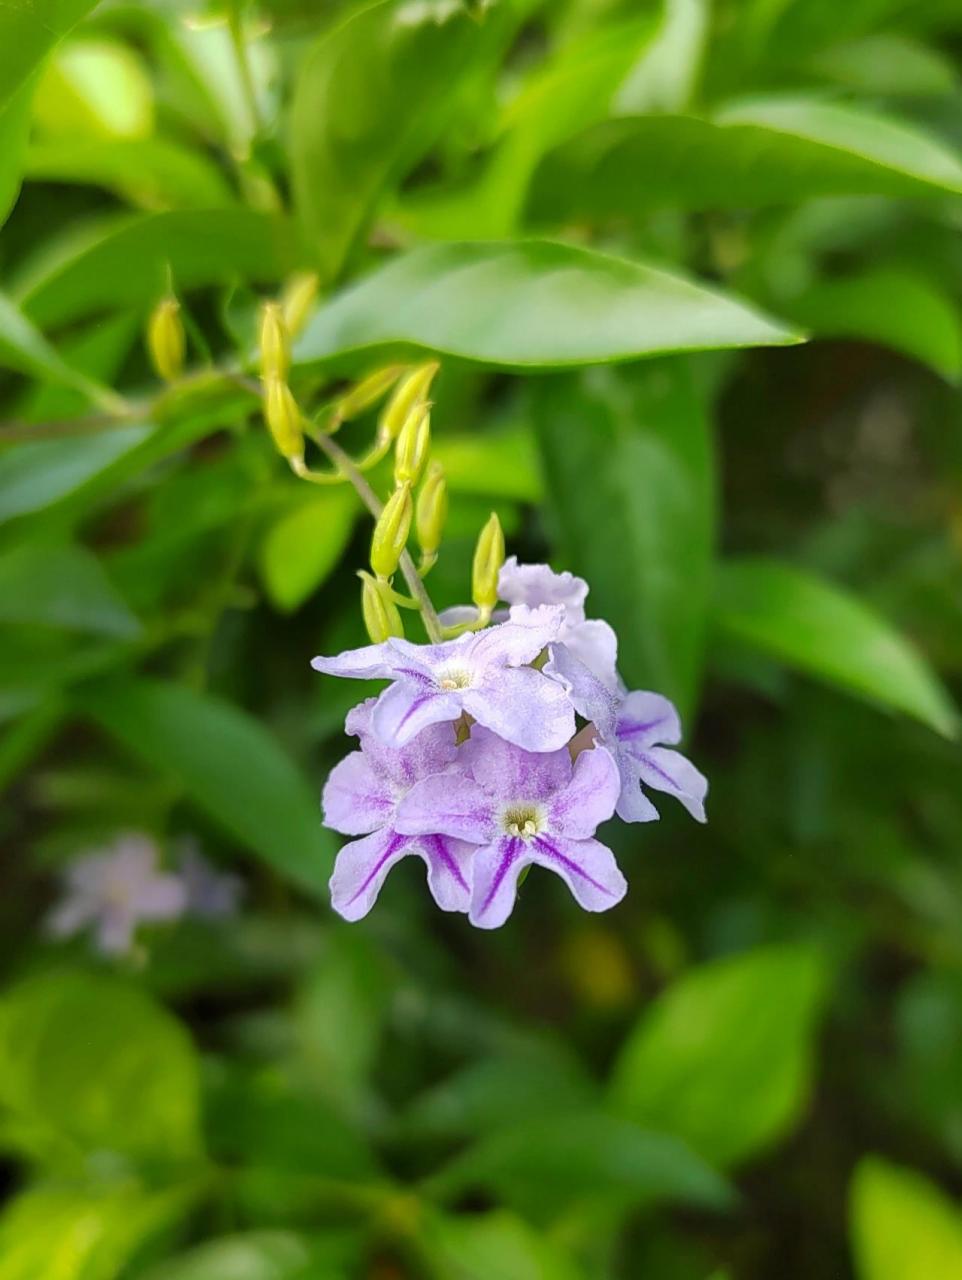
x: 534, y: 584
x: 589, y: 798
x: 508, y: 772
x: 355, y: 800
x: 670, y: 771
x: 647, y: 718
x: 361, y: 868
x: 519, y: 640
x: 586, y: 866
x: 372, y: 662
x: 633, y: 805
x: 449, y: 870
x: 589, y: 697
x: 594, y: 643
x: 449, y: 804
x: 495, y: 869
x: 523, y: 706
x: 162, y: 897
x: 404, y: 709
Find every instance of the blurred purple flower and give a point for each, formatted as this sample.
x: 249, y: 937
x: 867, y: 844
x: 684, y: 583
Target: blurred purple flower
x: 211, y: 894
x: 114, y: 891
x: 521, y: 807
x: 483, y: 675
x: 361, y: 798
x: 633, y: 727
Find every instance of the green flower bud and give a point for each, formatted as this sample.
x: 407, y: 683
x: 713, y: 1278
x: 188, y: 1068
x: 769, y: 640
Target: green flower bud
x: 165, y: 339
x: 391, y: 532
x: 488, y: 559
x: 412, y: 446
x: 299, y: 296
x: 432, y: 509
x: 274, y: 342
x: 411, y: 390
x: 283, y: 418
x: 381, y: 616
x: 367, y: 392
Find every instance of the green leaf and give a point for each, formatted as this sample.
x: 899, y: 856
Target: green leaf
x: 800, y: 619
x: 899, y: 309
x: 14, y: 133
x: 903, y: 1227
x: 497, y: 464
x: 24, y: 348
x: 303, y: 546
x: 95, y: 88
x: 28, y: 32
x: 541, y: 1164
x: 629, y: 461
x: 723, y: 1058
x: 69, y: 1233
x: 371, y: 97
x: 36, y: 475
x: 123, y: 261
x: 482, y: 1246
x: 92, y: 1064
x: 887, y: 63
x: 763, y: 151
x: 151, y: 172
x: 530, y: 304
x: 255, y: 1255
x: 229, y: 763
x: 62, y: 586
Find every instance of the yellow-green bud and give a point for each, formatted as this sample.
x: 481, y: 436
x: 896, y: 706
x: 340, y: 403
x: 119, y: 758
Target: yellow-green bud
x: 274, y: 342
x: 432, y: 509
x: 391, y: 532
x: 299, y: 295
x: 283, y: 418
x: 488, y: 559
x: 366, y: 392
x: 165, y: 339
x: 412, y: 445
x: 412, y: 389
x: 381, y: 616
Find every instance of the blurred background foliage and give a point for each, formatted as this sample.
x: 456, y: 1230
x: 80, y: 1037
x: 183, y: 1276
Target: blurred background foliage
x: 612, y: 221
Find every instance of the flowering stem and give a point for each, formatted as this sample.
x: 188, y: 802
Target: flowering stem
x: 432, y: 624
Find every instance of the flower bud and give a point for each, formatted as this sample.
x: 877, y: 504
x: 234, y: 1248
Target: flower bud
x: 488, y: 559
x: 283, y: 418
x: 432, y: 509
x: 366, y: 392
x: 391, y: 532
x: 381, y: 616
x: 412, y: 389
x: 274, y: 342
x: 299, y: 295
x: 412, y: 445
x: 165, y: 339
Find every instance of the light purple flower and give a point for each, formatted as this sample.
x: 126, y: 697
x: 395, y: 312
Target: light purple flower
x: 633, y: 727
x: 521, y: 807
x: 483, y: 675
x: 211, y: 894
x: 114, y: 891
x: 361, y: 798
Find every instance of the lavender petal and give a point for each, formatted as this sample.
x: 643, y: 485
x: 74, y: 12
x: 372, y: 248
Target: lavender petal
x: 587, y: 867
x: 496, y: 868
x: 524, y: 707
x: 589, y: 798
x: 673, y: 773
x: 360, y: 870
x: 404, y: 709
x: 355, y: 800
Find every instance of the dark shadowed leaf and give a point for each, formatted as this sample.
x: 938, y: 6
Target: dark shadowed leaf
x: 62, y: 586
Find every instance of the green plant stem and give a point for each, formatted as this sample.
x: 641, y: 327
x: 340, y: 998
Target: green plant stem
x: 344, y: 464
x: 239, y: 41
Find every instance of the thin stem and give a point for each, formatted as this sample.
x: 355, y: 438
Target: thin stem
x: 239, y: 41
x: 432, y: 624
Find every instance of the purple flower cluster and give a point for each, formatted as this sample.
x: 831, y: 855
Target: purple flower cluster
x: 472, y: 758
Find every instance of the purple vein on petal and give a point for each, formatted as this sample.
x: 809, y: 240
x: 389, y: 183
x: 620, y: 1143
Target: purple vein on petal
x: 504, y: 866
x: 396, y: 842
x: 416, y: 705
x: 648, y: 763
x: 553, y: 852
x: 633, y: 730
x: 438, y: 846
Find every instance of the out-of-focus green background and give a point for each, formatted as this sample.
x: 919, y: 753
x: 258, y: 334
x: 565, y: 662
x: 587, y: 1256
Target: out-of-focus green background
x: 612, y: 223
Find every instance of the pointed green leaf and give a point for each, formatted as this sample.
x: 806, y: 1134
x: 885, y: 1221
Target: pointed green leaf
x: 62, y: 586
x: 903, y: 1226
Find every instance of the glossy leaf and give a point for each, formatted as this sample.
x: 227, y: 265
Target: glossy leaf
x: 629, y: 462
x: 229, y: 764
x: 903, y: 1227
x: 898, y: 309
x: 815, y: 626
x: 304, y: 544
x: 531, y: 304
x: 124, y: 261
x: 91, y: 1064
x: 758, y: 152
x: 723, y: 1058
x: 348, y: 141
x: 62, y: 586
